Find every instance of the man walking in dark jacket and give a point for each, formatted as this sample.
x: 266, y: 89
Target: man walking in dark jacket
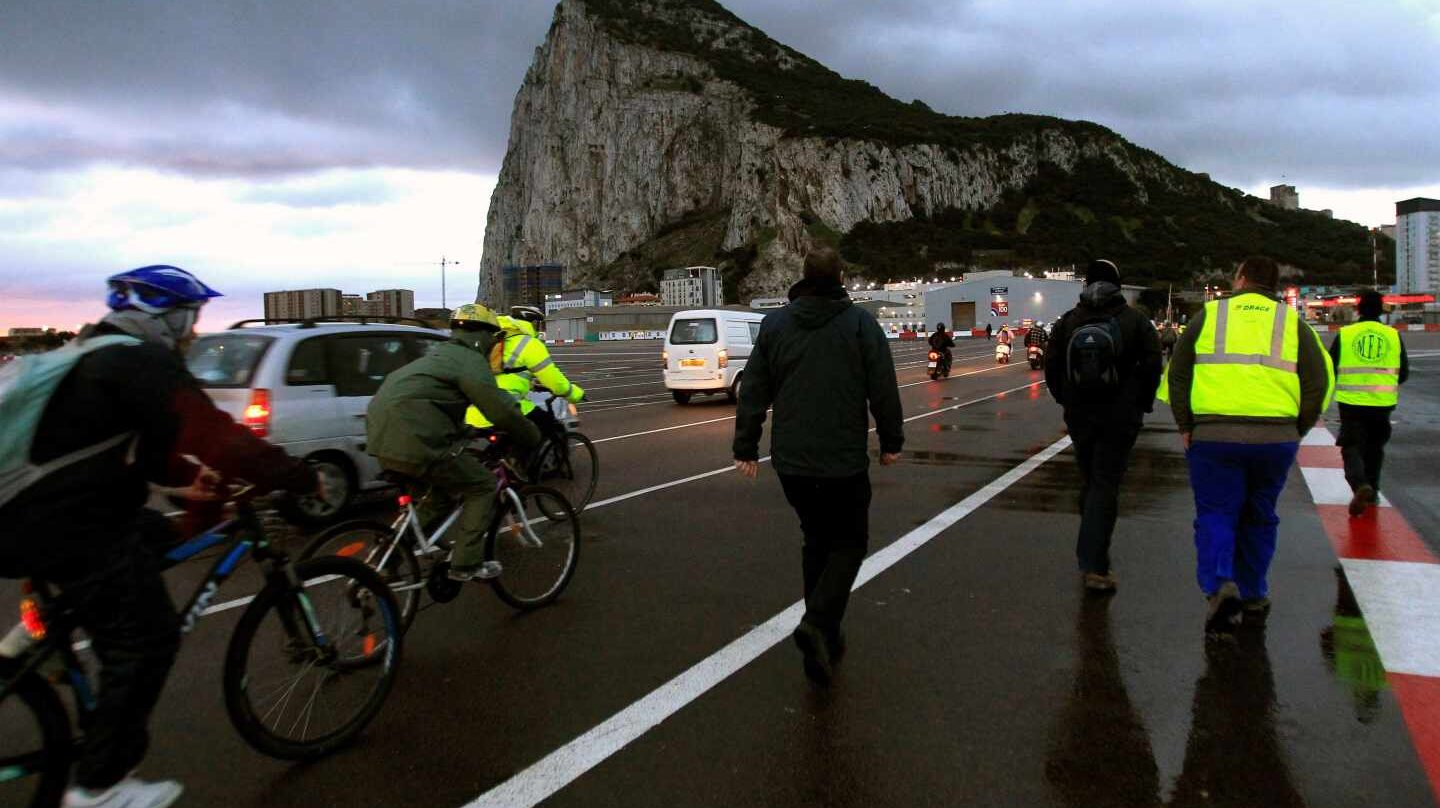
x: 821, y: 362
x: 1103, y: 369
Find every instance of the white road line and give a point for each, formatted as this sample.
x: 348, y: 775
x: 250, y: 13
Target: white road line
x: 563, y: 766
x: 1401, y: 602
x: 617, y: 386
x: 599, y: 401
x: 663, y: 429
x: 1319, y: 436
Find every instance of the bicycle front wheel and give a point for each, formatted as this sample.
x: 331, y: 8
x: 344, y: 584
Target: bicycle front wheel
x: 308, y: 668
x: 572, y: 469
x: 537, y: 553
x: 369, y: 541
x: 35, y: 746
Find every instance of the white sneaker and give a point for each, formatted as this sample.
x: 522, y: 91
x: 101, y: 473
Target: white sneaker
x: 484, y: 572
x: 128, y: 793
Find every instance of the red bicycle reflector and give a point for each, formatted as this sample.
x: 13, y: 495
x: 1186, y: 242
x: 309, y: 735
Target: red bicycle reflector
x: 30, y: 617
x: 494, y: 438
x: 353, y: 548
x: 404, y: 500
x: 369, y: 644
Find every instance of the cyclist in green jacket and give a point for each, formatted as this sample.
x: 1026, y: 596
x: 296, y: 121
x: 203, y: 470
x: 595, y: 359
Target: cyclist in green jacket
x: 416, y: 419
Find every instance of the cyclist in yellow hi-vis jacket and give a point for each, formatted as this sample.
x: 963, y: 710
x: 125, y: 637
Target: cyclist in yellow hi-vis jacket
x: 524, y: 360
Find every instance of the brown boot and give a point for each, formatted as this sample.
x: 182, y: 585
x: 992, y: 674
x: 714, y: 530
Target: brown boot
x: 1099, y: 583
x: 1364, y: 498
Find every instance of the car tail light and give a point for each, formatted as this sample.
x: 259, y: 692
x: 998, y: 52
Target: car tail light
x: 722, y: 358
x: 257, y: 414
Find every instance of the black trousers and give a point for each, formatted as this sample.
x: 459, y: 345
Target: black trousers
x: 1364, y: 431
x: 1102, y: 451
x: 835, y: 518
x: 124, y: 607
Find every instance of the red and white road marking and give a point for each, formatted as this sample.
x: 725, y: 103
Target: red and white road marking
x: 1396, y: 581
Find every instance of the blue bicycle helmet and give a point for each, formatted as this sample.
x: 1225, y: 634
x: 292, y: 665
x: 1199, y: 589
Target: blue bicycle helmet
x: 156, y: 289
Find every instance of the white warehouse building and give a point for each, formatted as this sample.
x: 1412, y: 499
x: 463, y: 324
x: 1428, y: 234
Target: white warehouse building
x: 998, y: 298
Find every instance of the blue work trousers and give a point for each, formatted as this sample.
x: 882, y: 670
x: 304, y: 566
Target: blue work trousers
x: 1236, y: 486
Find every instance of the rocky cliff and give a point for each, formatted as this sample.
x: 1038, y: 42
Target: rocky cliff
x: 653, y: 133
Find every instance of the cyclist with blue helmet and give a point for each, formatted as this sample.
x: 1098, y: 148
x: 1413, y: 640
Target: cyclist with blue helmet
x: 86, y: 529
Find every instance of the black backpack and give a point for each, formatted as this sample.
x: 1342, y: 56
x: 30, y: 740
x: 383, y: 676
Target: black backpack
x: 1093, y: 358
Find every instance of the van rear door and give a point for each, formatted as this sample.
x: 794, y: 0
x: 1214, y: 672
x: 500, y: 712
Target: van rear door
x: 692, y: 345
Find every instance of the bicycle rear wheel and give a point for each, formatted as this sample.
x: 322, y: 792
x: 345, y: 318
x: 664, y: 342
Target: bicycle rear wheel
x: 573, y: 470
x: 537, y: 553
x: 368, y: 542
x: 292, y: 695
x: 35, y: 747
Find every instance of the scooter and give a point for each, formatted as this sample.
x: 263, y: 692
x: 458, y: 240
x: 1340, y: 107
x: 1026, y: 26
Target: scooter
x: 1036, y: 355
x: 1002, y: 353
x: 938, y: 365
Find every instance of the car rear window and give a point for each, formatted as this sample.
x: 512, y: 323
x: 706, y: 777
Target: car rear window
x: 227, y: 360
x: 699, y: 331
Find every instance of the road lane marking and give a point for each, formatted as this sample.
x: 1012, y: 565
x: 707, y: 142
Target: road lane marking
x: 662, y: 429
x: 1401, y: 604
x: 1328, y: 486
x: 563, y: 766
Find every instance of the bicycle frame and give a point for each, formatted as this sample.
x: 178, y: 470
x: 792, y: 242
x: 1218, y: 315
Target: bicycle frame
x: 245, y: 538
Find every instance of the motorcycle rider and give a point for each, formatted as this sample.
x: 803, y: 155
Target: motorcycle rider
x: 101, y: 546
x: 1037, y: 336
x: 941, y: 342
x: 524, y: 361
x: 417, y: 417
x: 1005, y: 339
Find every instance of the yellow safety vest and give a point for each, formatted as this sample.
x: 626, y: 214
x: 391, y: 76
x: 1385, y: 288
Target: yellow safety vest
x: 1369, y: 372
x: 525, y: 360
x: 1246, y: 358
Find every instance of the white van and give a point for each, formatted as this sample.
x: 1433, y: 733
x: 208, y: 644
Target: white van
x: 706, y: 351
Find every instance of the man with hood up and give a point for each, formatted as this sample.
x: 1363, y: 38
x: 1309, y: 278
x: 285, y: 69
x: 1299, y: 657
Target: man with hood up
x: 822, y: 362
x: 1103, y: 369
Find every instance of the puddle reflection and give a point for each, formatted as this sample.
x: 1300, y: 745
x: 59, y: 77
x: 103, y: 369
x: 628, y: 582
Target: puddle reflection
x: 1350, y: 652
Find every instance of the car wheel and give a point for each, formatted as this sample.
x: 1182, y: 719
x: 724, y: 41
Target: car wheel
x: 733, y: 394
x: 339, y: 488
x: 681, y: 396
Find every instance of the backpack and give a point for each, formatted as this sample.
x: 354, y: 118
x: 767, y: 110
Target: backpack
x: 26, y: 386
x: 1093, y: 358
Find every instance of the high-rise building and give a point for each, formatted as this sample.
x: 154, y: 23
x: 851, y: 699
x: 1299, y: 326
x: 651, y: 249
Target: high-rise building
x: 1417, y: 246
x: 393, y: 302
x: 1285, y: 196
x: 700, y: 287
x: 357, y: 306
x: 528, y: 285
x: 301, y: 304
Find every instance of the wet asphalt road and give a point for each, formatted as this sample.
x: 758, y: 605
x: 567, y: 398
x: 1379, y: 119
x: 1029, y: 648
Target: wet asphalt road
x: 978, y: 673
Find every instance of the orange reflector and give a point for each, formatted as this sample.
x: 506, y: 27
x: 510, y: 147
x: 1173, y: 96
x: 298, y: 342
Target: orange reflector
x: 30, y: 617
x: 404, y: 500
x: 369, y: 644
x: 353, y: 548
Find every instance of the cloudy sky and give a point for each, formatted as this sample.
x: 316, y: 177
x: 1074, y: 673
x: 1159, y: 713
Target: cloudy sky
x: 353, y: 143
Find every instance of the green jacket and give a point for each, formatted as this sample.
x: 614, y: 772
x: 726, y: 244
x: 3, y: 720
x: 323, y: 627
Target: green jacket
x: 419, y: 412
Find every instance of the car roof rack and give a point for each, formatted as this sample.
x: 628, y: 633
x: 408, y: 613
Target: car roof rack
x: 311, y: 322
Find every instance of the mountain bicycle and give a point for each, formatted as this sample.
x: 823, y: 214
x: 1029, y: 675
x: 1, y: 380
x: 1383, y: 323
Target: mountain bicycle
x: 309, y: 664
x: 534, y: 537
x: 567, y: 461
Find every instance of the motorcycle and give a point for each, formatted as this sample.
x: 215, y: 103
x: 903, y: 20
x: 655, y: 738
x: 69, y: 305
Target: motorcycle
x: 1036, y: 355
x: 1002, y: 353
x: 938, y: 365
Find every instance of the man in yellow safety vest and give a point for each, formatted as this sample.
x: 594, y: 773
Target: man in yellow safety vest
x: 1248, y: 379
x: 524, y: 360
x: 1370, y: 366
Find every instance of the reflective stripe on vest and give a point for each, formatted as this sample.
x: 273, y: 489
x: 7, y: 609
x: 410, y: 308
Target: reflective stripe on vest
x: 1246, y: 359
x: 1369, y: 370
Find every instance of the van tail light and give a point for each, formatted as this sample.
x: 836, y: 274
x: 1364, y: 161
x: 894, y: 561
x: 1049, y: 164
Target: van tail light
x: 257, y: 413
x: 722, y: 358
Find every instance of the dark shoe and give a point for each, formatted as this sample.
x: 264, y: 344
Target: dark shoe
x: 1099, y: 583
x: 1364, y: 498
x: 1255, y: 607
x: 819, y: 666
x: 1224, y: 608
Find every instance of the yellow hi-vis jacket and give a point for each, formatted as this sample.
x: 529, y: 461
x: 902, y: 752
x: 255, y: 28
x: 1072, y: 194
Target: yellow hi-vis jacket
x: 1246, y: 360
x: 1369, y: 371
x: 525, y: 360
